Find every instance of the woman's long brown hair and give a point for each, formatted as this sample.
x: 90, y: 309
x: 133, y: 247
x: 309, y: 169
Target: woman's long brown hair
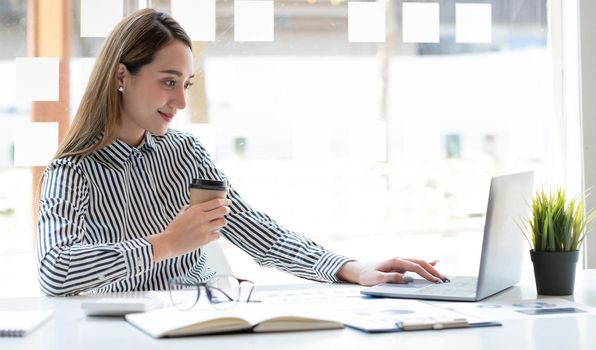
x: 134, y: 43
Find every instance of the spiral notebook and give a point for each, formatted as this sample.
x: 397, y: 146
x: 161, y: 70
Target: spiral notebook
x: 21, y: 323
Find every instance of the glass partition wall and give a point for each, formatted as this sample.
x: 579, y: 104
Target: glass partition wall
x: 373, y: 127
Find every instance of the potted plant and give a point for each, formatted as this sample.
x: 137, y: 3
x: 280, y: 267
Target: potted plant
x: 558, y: 227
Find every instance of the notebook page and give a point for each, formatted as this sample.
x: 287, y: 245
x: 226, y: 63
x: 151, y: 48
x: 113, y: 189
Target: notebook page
x: 21, y: 323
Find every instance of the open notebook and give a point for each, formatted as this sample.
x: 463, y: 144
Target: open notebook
x: 21, y: 323
x: 170, y: 322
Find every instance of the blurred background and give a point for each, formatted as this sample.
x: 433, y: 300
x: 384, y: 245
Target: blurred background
x: 374, y: 149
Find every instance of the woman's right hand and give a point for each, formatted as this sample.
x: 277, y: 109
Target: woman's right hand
x: 192, y: 228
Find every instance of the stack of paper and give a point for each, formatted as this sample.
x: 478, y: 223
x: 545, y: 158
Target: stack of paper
x: 21, y: 323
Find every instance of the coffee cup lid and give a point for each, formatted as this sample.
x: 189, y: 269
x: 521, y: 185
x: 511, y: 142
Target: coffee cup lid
x: 215, y: 185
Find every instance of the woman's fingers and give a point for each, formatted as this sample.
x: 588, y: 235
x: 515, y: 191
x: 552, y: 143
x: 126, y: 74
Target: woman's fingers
x: 387, y: 271
x: 415, y: 267
x: 372, y: 277
x: 216, y: 213
x: 428, y: 267
x: 215, y: 225
x: 195, y: 226
x: 396, y: 277
x: 199, y: 213
x: 213, y: 204
x: 421, y: 267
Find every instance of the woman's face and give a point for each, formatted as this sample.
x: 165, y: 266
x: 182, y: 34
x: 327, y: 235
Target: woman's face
x: 152, y: 97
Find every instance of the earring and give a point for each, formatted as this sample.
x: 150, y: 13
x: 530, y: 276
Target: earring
x: 121, y: 89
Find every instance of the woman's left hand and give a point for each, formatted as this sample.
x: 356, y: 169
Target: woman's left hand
x: 388, y: 271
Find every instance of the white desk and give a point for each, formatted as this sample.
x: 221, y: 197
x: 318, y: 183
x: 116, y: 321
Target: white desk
x: 69, y: 328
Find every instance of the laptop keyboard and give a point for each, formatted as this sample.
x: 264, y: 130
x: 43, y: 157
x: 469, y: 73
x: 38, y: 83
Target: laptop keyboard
x: 459, y: 286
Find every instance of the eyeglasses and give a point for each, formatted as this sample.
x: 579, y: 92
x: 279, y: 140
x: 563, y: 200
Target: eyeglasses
x: 222, y: 291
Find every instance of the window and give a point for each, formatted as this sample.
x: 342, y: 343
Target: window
x: 374, y: 143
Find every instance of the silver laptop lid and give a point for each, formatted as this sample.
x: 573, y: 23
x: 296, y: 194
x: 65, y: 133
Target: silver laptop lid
x: 509, y: 205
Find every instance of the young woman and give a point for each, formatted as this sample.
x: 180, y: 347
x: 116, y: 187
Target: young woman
x: 114, y: 212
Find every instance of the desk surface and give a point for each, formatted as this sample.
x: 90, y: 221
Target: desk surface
x: 69, y: 328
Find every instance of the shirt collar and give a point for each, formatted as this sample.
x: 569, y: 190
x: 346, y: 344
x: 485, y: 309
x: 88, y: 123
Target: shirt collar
x: 149, y: 143
x: 118, y: 151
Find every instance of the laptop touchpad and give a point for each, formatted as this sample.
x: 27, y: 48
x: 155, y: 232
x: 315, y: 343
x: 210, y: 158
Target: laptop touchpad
x: 417, y: 283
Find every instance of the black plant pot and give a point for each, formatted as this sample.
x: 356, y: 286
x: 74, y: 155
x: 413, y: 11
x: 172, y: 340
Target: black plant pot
x: 554, y: 272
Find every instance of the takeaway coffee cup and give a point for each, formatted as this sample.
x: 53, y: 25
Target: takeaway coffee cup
x: 205, y: 190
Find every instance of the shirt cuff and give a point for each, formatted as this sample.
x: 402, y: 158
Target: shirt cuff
x: 329, y: 265
x: 138, y: 254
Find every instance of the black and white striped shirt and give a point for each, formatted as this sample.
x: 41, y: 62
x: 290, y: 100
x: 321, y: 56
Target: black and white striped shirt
x: 95, y: 211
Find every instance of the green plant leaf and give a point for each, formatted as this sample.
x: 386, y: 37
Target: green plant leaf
x: 551, y: 245
x: 558, y: 224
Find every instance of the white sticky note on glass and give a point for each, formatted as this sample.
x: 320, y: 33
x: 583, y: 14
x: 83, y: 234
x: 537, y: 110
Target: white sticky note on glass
x: 420, y: 22
x: 253, y: 20
x: 35, y: 144
x: 197, y: 17
x: 421, y: 141
x: 99, y: 17
x: 473, y: 23
x: 312, y: 141
x: 38, y: 78
x: 366, y: 22
x: 367, y: 141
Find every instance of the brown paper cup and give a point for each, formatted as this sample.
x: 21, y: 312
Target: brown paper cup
x: 202, y: 191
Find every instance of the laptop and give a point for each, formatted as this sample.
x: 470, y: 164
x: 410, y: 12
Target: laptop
x: 503, y: 242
